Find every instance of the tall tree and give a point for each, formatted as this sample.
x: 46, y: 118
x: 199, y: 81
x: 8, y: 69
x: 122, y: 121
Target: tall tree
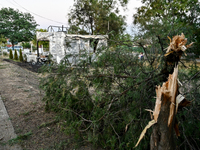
x: 159, y: 19
x: 16, y: 26
x: 97, y: 17
x: 170, y: 18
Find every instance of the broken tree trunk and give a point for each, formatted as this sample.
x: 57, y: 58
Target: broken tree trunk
x: 162, y: 137
x: 167, y: 99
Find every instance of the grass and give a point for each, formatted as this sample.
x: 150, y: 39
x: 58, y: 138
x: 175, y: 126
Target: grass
x: 26, y: 90
x: 20, y: 138
x: 47, y: 124
x: 18, y: 131
x: 19, y: 87
x: 27, y: 113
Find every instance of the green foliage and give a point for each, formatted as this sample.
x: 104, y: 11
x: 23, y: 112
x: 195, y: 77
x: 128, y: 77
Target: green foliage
x: 2, y: 39
x: 10, y: 54
x: 15, y: 55
x: 169, y: 18
x: 20, y: 55
x: 16, y: 26
x: 20, y: 138
x: 97, y: 17
x: 188, y: 118
x: 103, y: 102
x: 5, y: 54
x: 26, y: 45
x: 99, y: 101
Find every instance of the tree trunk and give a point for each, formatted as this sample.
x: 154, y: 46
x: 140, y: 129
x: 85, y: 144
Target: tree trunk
x: 162, y: 137
x: 13, y: 45
x: 167, y: 99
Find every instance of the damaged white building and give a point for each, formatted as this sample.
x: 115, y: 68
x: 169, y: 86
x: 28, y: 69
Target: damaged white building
x: 62, y: 44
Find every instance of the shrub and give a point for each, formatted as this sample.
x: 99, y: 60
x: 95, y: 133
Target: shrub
x: 5, y: 54
x: 15, y: 55
x: 20, y: 55
x: 11, y: 54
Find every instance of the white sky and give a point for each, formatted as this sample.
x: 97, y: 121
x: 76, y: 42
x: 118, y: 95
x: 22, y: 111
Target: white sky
x: 56, y: 11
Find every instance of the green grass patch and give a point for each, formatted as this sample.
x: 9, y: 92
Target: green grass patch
x: 20, y: 138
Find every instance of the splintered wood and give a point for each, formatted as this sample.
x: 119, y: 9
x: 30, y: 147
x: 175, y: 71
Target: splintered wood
x: 167, y: 92
x: 168, y: 99
x: 178, y: 43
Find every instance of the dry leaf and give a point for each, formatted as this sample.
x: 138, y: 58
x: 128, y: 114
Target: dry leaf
x: 152, y: 122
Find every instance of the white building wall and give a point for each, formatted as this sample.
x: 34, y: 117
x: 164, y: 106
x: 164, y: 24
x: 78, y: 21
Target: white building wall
x: 78, y: 43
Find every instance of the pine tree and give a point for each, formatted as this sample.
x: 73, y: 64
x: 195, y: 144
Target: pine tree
x: 11, y: 54
x: 15, y: 55
x: 20, y: 55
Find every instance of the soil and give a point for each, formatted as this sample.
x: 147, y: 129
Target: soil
x: 22, y: 97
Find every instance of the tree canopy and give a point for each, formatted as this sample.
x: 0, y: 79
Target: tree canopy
x: 168, y: 18
x: 2, y: 39
x: 17, y: 26
x: 97, y: 17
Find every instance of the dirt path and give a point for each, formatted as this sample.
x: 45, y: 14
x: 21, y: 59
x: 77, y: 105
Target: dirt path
x: 36, y: 129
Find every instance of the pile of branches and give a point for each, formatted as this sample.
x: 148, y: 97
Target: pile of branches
x: 103, y: 102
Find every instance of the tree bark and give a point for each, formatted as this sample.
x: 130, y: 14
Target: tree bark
x: 162, y: 137
x: 167, y: 98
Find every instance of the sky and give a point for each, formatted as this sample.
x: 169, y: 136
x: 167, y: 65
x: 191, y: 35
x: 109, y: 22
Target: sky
x: 54, y: 12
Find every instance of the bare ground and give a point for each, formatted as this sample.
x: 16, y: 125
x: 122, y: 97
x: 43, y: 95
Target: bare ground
x: 35, y: 128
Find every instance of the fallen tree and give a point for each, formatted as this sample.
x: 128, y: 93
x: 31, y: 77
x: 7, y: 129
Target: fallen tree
x: 104, y: 102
